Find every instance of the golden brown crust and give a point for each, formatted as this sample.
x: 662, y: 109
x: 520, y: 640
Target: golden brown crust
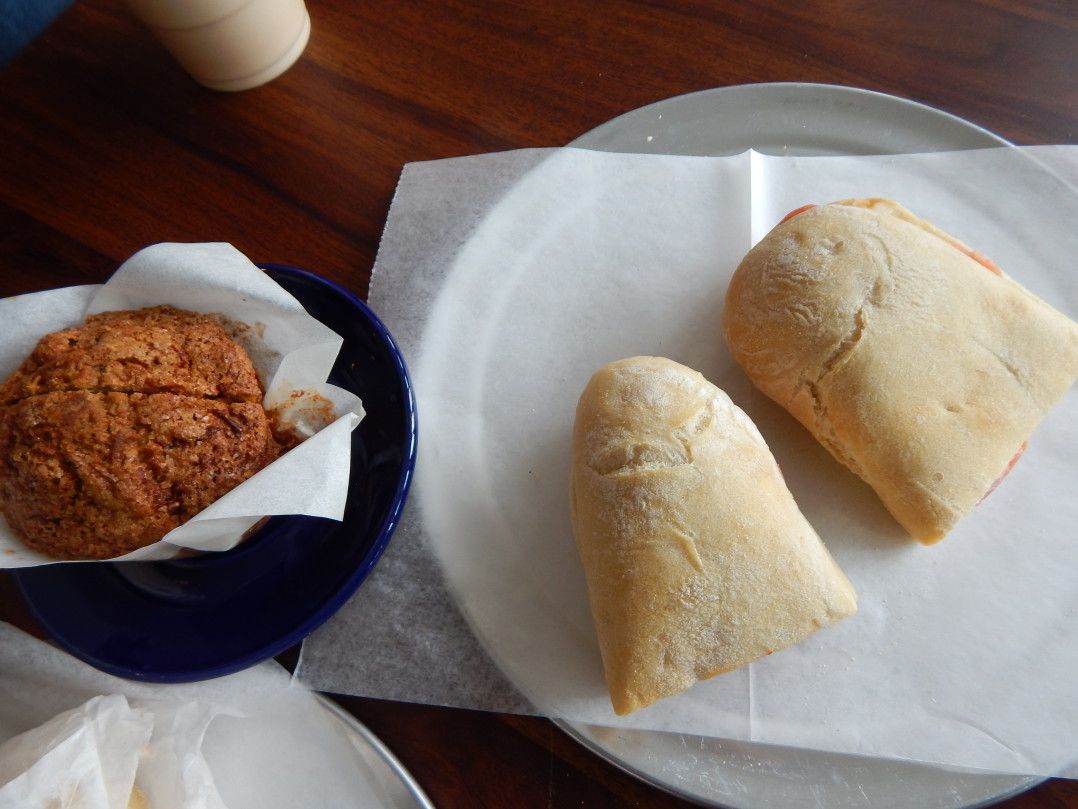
x: 155, y: 350
x: 696, y: 556
x: 115, y: 432
x: 912, y: 363
x: 97, y: 475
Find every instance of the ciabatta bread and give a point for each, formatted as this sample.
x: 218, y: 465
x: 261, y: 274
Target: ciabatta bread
x: 911, y: 358
x: 696, y: 556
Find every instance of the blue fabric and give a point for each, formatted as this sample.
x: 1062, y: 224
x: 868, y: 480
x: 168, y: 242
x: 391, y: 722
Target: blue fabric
x: 22, y: 20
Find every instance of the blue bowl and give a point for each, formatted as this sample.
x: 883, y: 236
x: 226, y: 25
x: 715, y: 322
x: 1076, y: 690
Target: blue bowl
x: 207, y: 616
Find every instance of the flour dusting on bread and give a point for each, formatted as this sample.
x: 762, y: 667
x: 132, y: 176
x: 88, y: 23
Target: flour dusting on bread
x: 697, y: 558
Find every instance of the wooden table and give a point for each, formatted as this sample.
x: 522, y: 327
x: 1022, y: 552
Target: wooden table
x: 105, y: 146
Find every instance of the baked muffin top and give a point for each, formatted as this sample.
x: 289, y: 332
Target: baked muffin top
x: 155, y: 350
x: 115, y: 432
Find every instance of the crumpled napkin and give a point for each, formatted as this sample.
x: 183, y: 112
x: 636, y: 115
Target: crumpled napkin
x: 85, y: 758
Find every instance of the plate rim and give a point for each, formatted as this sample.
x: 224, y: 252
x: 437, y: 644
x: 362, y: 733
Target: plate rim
x: 987, y: 138
x: 360, y: 734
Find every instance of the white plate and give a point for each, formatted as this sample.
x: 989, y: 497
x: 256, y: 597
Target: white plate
x: 790, y: 118
x: 393, y: 783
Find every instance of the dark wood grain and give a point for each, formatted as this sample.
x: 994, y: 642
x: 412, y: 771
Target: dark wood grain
x: 106, y: 146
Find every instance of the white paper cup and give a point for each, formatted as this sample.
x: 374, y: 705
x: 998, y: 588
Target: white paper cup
x: 229, y: 44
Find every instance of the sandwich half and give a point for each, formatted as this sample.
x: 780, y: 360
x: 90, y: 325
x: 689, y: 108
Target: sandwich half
x: 912, y: 358
x: 697, y: 559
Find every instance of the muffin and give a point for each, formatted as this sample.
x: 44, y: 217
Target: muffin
x: 115, y: 432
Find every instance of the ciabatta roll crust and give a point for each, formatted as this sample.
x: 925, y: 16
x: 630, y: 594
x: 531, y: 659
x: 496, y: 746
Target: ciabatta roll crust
x: 913, y: 360
x: 696, y: 556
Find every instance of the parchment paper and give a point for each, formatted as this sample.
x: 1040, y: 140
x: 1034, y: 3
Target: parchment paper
x: 85, y: 758
x: 252, y: 740
x: 291, y: 351
x: 509, y: 278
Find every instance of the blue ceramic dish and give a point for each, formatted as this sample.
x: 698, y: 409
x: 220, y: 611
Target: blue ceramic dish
x: 207, y: 616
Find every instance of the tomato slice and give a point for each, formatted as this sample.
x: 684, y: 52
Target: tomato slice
x: 984, y: 261
x: 1006, y: 471
x: 795, y: 212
